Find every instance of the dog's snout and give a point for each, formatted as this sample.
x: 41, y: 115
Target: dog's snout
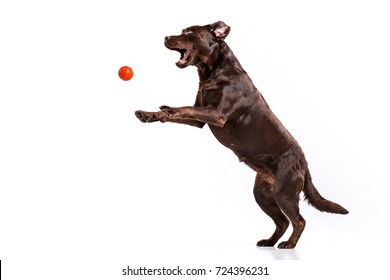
x: 167, y: 38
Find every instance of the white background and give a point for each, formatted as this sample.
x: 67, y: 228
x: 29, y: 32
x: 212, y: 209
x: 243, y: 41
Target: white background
x: 86, y: 189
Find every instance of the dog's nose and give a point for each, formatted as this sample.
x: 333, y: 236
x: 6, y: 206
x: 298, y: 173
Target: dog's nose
x: 167, y: 38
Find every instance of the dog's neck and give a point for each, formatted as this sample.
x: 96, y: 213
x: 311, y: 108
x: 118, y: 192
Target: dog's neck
x: 221, y: 58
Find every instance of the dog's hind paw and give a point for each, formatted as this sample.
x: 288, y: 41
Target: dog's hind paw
x: 286, y: 245
x: 265, y: 243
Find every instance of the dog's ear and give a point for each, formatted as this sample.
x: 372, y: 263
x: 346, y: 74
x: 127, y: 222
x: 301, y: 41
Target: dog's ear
x: 220, y: 29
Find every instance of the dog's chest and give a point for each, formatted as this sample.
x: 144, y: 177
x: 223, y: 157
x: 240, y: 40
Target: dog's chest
x: 212, y: 92
x: 209, y: 98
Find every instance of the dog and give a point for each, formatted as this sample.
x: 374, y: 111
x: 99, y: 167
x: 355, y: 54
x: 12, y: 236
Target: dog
x: 240, y: 118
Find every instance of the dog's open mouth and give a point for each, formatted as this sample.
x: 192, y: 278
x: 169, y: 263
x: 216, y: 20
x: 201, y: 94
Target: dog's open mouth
x: 184, y: 57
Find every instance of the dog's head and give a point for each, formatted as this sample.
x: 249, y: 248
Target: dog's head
x: 198, y: 44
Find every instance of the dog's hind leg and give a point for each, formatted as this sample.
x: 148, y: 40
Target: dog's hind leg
x: 286, y: 193
x: 264, y: 195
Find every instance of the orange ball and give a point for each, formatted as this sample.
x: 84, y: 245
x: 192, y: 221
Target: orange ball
x: 125, y: 73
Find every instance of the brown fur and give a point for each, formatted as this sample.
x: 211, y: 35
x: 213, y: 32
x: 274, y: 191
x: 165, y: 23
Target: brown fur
x: 241, y: 120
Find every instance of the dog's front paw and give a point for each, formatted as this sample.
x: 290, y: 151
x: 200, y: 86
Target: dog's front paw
x: 170, y: 112
x: 146, y: 117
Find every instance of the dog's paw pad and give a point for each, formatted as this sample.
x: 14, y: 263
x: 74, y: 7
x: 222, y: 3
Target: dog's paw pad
x: 140, y: 115
x: 145, y: 117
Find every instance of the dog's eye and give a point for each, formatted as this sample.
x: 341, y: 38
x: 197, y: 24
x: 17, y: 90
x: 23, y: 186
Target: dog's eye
x: 187, y: 32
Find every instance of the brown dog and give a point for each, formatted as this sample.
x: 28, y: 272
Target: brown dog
x: 241, y: 120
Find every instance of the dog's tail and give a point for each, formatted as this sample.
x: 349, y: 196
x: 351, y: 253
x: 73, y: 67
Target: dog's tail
x: 315, y: 199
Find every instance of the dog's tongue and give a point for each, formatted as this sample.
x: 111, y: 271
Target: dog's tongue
x: 183, y: 58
